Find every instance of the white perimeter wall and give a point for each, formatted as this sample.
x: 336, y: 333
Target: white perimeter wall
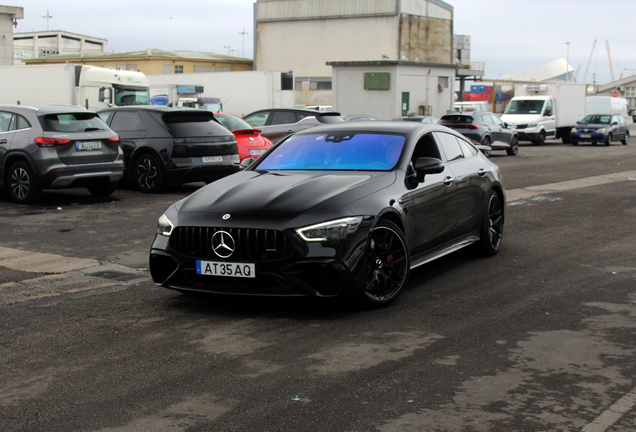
x: 240, y: 92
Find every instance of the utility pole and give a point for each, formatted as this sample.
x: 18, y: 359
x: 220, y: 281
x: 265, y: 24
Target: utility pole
x: 228, y: 49
x: 243, y: 33
x: 47, y: 16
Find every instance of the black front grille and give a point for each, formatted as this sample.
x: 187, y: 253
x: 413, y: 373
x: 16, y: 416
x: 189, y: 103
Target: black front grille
x: 250, y: 244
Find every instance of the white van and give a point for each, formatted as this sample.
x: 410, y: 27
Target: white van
x: 608, y: 105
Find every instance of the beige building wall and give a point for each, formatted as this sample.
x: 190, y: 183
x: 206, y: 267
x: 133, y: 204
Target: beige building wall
x: 8, y: 16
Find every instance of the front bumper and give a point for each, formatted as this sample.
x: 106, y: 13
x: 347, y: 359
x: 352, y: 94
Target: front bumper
x: 311, y: 269
x: 591, y: 138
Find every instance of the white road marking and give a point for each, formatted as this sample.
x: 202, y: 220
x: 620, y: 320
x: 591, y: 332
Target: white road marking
x: 612, y: 414
x: 531, y: 191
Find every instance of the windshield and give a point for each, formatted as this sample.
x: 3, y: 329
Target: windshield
x: 525, y: 107
x: 232, y: 122
x: 75, y: 122
x: 344, y: 151
x: 596, y: 119
x: 125, y: 96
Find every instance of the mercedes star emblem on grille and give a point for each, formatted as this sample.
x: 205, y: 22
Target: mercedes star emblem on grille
x: 223, y: 244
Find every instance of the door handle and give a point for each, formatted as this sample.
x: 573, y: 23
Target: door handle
x: 482, y: 172
x: 4, y: 141
x: 448, y: 181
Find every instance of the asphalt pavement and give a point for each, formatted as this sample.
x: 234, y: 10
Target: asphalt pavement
x: 537, y: 338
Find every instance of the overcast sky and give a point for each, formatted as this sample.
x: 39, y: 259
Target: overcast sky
x: 510, y: 36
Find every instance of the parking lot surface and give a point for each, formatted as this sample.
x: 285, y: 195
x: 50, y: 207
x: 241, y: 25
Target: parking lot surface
x: 537, y: 338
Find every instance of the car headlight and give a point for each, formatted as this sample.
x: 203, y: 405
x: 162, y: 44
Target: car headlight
x: 332, y: 230
x: 533, y: 125
x: 164, y: 226
x: 601, y: 130
x: 573, y: 130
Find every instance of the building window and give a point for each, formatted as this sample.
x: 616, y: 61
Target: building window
x: 223, y: 69
x: 202, y: 69
x: 121, y: 67
x: 167, y: 69
x: 178, y: 69
x: 132, y: 67
x: 630, y: 91
x: 323, y: 85
x: 443, y: 81
x: 47, y: 52
x: 287, y: 81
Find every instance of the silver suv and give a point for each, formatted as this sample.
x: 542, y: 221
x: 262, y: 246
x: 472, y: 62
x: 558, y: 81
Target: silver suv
x: 53, y: 147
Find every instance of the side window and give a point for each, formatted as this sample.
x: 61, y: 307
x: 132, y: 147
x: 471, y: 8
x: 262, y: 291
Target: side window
x: 450, y: 145
x: 426, y: 147
x: 487, y: 119
x: 614, y: 119
x: 23, y: 123
x: 467, y: 149
x: 126, y: 121
x: 5, y: 121
x: 548, y: 107
x: 257, y: 119
x: 284, y: 117
x: 105, y: 116
x: 496, y: 120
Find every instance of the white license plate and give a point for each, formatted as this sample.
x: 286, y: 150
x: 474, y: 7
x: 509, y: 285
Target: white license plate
x: 207, y: 159
x: 88, y: 145
x: 212, y: 268
x: 586, y: 136
x: 257, y: 152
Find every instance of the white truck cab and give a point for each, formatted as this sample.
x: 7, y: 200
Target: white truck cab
x: 543, y: 111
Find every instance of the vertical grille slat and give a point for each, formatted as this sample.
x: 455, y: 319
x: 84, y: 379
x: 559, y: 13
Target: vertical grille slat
x: 252, y: 245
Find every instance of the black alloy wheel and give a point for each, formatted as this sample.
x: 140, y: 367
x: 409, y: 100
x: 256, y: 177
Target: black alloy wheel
x: 626, y: 139
x: 609, y: 139
x: 148, y: 174
x: 514, y: 146
x: 388, y: 265
x: 485, y: 141
x: 492, y: 222
x: 23, y: 188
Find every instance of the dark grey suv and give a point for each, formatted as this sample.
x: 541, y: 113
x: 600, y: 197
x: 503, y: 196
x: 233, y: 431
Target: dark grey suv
x: 172, y: 145
x: 53, y: 147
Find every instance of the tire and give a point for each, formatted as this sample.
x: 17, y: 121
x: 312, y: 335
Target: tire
x: 148, y: 174
x: 609, y: 139
x: 514, y: 146
x: 491, y: 228
x: 22, y: 185
x: 485, y: 141
x: 102, y: 188
x: 388, y: 265
x: 626, y: 139
x: 575, y: 143
x: 541, y: 140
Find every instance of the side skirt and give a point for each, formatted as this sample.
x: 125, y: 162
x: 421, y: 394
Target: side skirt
x: 444, y: 249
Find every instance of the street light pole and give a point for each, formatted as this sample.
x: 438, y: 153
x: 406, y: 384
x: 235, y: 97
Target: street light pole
x: 567, y: 63
x: 243, y: 33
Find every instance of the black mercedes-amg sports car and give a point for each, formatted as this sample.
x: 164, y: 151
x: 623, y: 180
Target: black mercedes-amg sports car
x: 336, y: 210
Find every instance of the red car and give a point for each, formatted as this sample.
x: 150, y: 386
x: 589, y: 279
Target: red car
x: 250, y: 142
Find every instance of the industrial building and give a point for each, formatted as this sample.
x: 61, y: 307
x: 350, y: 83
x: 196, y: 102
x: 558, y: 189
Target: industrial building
x: 31, y: 45
x: 8, y: 20
x: 303, y: 35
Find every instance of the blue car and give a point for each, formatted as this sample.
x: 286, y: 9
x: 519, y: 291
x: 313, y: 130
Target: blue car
x: 600, y: 128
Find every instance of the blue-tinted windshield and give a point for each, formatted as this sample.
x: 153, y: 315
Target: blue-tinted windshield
x: 345, y: 151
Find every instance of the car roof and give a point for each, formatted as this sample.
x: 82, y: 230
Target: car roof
x: 373, y: 127
x: 299, y: 110
x: 46, y: 109
x: 156, y: 108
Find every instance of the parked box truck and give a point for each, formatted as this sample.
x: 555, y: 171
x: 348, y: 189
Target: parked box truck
x: 92, y: 87
x: 548, y: 110
x: 608, y: 105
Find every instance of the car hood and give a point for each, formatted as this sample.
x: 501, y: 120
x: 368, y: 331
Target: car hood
x: 291, y: 192
x: 521, y: 118
x: 592, y: 126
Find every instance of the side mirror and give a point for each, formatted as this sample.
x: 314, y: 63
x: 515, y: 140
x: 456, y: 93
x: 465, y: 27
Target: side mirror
x: 247, y: 162
x: 548, y: 113
x: 427, y: 165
